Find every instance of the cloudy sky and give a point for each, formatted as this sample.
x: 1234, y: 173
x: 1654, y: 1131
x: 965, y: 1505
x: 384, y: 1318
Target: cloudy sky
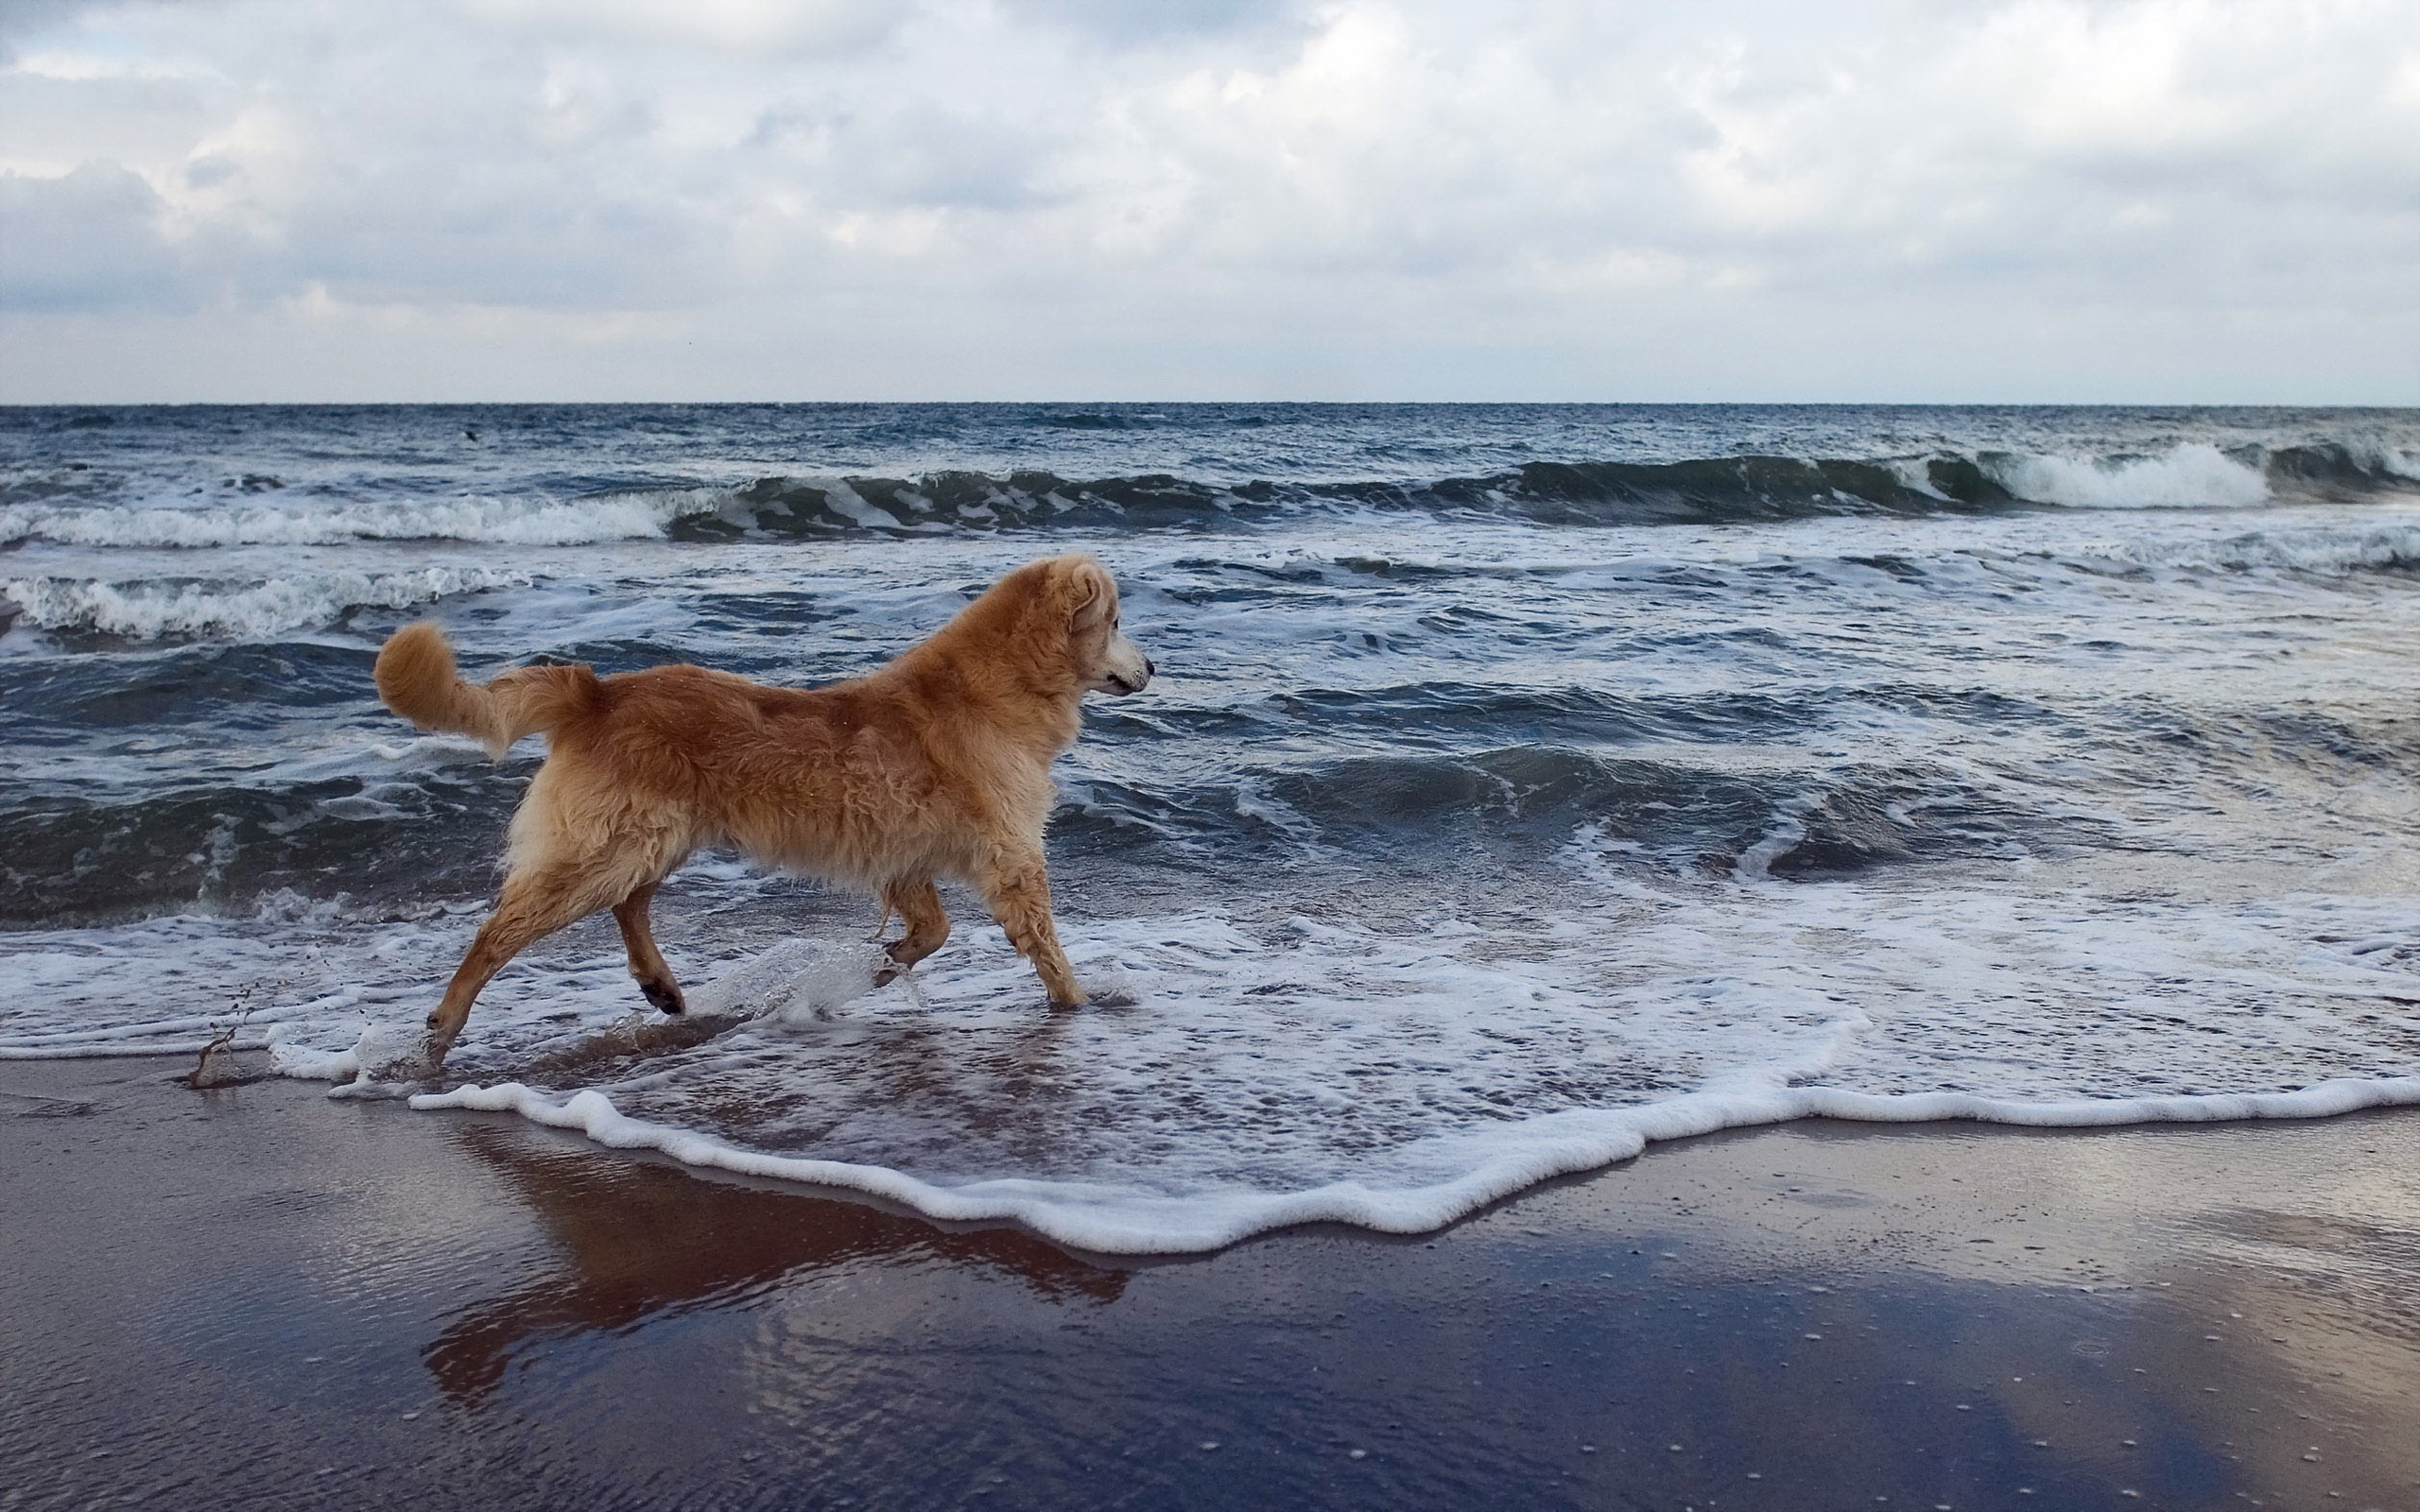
x: 1752, y: 200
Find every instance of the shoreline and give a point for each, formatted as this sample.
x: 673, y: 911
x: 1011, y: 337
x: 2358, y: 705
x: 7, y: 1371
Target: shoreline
x: 1584, y: 1141
x: 258, y: 1295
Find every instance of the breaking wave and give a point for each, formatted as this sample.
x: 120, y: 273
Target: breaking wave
x: 149, y: 610
x: 627, y: 515
x: 2321, y: 552
x: 1725, y: 490
x: 1715, y: 490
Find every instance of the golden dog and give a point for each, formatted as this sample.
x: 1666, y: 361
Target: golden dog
x: 937, y: 766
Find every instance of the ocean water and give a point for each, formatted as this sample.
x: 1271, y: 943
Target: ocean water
x: 1522, y: 783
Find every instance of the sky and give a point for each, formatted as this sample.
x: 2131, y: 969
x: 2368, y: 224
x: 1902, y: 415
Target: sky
x: 1850, y: 200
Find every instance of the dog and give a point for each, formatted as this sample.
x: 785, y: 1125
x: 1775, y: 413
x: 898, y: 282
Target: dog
x: 936, y: 766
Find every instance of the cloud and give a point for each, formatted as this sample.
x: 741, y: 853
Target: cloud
x: 1744, y: 198
x: 748, y: 27
x: 1126, y: 22
x: 85, y: 238
x: 22, y: 18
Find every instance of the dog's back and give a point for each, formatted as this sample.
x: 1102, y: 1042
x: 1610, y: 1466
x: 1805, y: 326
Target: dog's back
x: 853, y: 782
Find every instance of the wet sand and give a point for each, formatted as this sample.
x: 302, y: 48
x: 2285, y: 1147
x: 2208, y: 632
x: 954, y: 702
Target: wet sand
x: 256, y: 1296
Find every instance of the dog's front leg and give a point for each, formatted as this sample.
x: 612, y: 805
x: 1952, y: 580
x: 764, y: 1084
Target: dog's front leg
x: 1016, y: 888
x: 919, y: 907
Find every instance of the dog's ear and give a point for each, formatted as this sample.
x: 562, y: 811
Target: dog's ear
x: 1092, y: 593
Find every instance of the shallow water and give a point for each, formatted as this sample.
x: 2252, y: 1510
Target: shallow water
x: 1521, y: 782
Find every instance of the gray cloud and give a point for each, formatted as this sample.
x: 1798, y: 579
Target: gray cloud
x: 21, y: 18
x: 85, y: 239
x: 1127, y: 22
x: 1908, y: 198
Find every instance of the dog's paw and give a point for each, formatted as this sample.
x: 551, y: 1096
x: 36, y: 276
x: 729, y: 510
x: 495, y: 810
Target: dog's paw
x: 664, y: 996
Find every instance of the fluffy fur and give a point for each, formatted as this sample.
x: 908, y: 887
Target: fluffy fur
x: 934, y: 767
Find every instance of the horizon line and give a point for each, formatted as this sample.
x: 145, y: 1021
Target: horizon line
x: 1131, y: 403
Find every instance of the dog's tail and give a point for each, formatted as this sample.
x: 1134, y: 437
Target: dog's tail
x: 416, y: 676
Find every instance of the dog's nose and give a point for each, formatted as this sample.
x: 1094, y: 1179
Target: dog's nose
x: 1151, y: 668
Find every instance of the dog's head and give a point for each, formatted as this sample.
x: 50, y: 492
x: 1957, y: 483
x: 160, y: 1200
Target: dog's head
x: 1050, y: 625
x: 1106, y: 660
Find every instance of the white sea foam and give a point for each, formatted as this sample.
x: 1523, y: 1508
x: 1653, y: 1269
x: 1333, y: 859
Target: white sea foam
x: 2321, y: 551
x: 1915, y: 473
x: 2193, y: 476
x: 635, y: 514
x: 1389, y: 1073
x: 1134, y: 1220
x: 158, y: 985
x: 146, y: 611
x: 798, y: 981
x: 1315, y: 1070
x: 378, y: 1062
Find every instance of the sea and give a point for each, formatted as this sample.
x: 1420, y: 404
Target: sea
x: 1521, y: 785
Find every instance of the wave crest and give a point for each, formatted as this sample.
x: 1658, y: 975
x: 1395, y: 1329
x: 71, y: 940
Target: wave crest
x: 1715, y: 491
x: 1711, y: 491
x: 633, y: 515
x: 151, y: 611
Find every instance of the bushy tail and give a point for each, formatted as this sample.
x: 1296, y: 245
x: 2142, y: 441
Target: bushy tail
x: 416, y: 676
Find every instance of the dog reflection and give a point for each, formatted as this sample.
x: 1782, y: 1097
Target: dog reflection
x: 644, y: 1242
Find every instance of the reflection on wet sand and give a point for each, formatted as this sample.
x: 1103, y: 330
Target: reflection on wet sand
x: 235, y: 1296
x: 638, y: 1242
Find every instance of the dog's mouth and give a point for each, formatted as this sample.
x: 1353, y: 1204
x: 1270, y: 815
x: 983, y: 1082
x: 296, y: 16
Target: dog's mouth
x: 1111, y: 680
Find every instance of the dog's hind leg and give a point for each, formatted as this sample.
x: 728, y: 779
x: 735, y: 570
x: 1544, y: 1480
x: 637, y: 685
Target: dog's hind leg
x: 919, y: 907
x: 1016, y: 888
x: 534, y: 904
x: 647, y: 962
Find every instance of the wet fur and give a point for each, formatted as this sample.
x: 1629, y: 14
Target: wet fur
x: 934, y: 767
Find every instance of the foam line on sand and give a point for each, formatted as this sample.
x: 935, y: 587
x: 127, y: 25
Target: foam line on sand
x: 1124, y: 1221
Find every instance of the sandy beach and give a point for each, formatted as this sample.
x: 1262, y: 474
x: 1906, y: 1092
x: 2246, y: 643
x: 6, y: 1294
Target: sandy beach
x: 256, y: 1296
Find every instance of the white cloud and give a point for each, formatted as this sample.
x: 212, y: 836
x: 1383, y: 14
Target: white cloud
x: 1907, y: 198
